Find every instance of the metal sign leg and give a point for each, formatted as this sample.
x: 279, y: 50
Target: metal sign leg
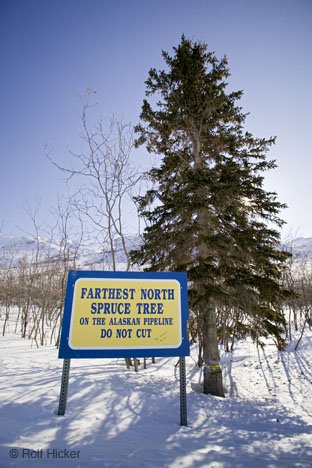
x: 183, y: 407
x: 64, y: 388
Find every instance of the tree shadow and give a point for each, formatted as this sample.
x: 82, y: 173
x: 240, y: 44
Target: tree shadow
x: 118, y: 418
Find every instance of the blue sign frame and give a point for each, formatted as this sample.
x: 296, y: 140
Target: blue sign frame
x: 67, y: 352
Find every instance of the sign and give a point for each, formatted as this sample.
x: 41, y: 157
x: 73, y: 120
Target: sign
x: 110, y: 314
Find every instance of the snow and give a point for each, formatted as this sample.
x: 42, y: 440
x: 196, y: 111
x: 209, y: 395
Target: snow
x: 118, y: 418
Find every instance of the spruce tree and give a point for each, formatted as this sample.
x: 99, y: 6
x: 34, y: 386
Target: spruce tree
x: 207, y: 212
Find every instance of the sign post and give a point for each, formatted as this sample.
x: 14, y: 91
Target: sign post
x: 123, y: 314
x: 64, y: 388
x: 183, y: 408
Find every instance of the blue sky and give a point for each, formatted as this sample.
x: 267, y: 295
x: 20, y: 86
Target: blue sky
x: 52, y: 51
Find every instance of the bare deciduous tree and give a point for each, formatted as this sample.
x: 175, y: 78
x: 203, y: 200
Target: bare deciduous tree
x: 107, y: 180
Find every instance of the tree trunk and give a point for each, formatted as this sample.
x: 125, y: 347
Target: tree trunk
x: 213, y: 384
x: 212, y: 371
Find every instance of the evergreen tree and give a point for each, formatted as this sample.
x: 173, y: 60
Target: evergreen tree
x: 207, y: 212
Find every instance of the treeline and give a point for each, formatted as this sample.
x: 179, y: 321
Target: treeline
x: 33, y: 279
x: 32, y: 292
x: 298, y: 309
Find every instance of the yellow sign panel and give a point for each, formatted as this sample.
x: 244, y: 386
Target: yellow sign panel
x: 114, y: 313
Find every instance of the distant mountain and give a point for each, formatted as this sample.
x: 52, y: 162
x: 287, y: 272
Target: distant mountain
x: 14, y: 248
x: 301, y: 246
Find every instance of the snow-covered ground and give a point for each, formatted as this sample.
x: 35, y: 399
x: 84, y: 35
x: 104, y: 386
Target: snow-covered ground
x: 119, y: 418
